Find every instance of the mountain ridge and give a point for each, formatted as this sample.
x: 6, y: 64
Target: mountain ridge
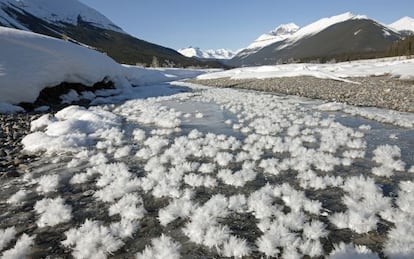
x: 218, y: 54
x: 319, y: 40
x: 64, y: 12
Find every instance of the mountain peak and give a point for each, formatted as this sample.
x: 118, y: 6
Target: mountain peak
x: 404, y: 24
x: 281, y: 32
x: 292, y: 32
x: 284, y: 29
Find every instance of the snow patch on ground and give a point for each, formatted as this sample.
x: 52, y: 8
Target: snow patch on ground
x: 338, y: 71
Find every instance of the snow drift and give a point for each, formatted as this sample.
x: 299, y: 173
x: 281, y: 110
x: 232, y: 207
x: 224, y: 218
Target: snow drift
x: 31, y: 62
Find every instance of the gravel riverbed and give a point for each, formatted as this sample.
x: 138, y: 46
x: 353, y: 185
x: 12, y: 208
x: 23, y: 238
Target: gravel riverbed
x: 381, y: 92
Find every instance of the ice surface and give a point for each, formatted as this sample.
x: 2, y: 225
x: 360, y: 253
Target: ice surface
x: 146, y: 179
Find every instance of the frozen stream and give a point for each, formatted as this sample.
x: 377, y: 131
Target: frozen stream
x: 211, y: 173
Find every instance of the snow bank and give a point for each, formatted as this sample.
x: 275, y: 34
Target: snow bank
x: 46, y: 61
x: 31, y: 62
x: 339, y: 71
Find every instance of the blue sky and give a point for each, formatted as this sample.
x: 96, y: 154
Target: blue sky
x: 232, y: 24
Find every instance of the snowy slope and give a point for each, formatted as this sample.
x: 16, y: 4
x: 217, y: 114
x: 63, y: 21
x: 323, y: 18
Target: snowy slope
x: 57, y: 12
x: 207, y: 54
x: 322, y: 24
x: 404, y: 24
x: 48, y: 62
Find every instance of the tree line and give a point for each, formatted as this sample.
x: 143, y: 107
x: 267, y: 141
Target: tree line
x: 403, y: 47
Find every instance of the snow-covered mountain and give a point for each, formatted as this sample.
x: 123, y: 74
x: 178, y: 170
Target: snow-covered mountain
x: 293, y: 32
x: 74, y: 21
x: 207, y: 54
x: 56, y: 12
x: 327, y: 37
x: 405, y: 24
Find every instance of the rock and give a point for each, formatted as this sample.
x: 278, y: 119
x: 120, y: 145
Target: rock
x: 17, y: 161
x: 10, y: 174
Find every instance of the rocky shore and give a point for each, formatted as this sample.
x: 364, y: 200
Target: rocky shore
x: 382, y: 92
